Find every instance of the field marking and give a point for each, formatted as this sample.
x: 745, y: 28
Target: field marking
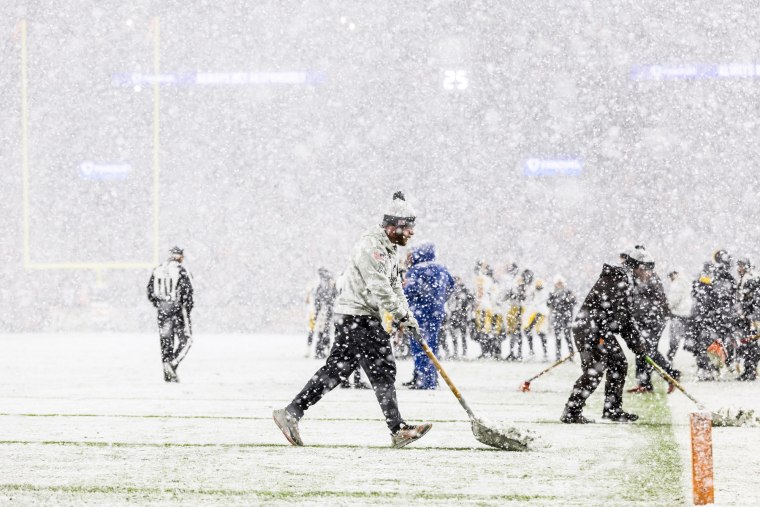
x: 250, y: 445
x: 156, y: 137
x: 270, y: 494
x: 324, y: 419
x: 220, y: 417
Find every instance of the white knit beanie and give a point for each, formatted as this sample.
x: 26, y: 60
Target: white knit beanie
x: 399, y: 212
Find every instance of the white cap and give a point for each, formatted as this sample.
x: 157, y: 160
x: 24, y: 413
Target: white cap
x: 639, y: 255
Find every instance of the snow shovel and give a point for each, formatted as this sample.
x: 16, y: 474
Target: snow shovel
x: 510, y: 439
x: 525, y: 387
x: 726, y: 418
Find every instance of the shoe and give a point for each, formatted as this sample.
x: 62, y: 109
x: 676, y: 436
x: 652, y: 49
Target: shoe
x: 288, y: 425
x: 640, y: 389
x: 169, y: 374
x: 619, y: 416
x: 574, y: 418
x: 361, y: 385
x: 408, y: 384
x: 408, y: 434
x: 345, y: 385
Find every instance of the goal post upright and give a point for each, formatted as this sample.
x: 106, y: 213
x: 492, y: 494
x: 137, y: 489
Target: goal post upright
x: 98, y: 267
x: 25, y: 146
x: 156, y: 132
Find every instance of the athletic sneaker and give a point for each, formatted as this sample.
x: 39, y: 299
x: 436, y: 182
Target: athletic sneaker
x: 574, y: 418
x: 619, y: 416
x: 408, y: 434
x: 169, y: 374
x: 288, y: 425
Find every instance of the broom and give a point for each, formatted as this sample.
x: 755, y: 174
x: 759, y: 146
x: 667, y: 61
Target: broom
x: 739, y: 418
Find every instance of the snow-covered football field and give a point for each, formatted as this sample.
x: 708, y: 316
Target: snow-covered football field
x: 87, y: 419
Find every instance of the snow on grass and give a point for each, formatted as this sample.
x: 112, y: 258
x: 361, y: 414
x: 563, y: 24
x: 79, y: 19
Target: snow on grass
x: 88, y: 419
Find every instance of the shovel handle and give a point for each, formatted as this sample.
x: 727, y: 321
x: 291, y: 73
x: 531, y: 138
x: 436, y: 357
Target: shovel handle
x: 443, y: 373
x: 673, y: 381
x: 554, y: 365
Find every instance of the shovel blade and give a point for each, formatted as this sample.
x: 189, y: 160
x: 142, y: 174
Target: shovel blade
x: 510, y: 439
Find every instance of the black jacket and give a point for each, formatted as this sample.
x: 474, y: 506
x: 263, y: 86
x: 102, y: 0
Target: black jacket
x: 650, y: 306
x: 326, y: 292
x: 716, y: 299
x: 606, y: 311
x: 561, y: 302
x: 748, y: 295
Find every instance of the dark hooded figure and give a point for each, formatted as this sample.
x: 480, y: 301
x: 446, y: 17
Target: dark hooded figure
x: 715, y: 316
x: 605, y: 313
x: 459, y: 320
x: 650, y: 312
x: 749, y: 318
x: 428, y: 285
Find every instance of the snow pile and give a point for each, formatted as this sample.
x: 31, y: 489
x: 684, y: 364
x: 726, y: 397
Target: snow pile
x: 735, y: 417
x: 502, y: 436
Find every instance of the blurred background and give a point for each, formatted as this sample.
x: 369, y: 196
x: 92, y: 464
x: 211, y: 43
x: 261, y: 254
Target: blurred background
x: 264, y: 137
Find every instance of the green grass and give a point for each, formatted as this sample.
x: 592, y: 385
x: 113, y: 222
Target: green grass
x: 659, y: 469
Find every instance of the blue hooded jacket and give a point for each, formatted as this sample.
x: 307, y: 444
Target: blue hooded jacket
x: 428, y: 284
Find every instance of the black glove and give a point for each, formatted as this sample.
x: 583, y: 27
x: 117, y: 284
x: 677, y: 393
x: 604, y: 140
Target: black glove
x: 410, y: 323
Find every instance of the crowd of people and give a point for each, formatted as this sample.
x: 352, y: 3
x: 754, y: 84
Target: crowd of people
x: 715, y: 316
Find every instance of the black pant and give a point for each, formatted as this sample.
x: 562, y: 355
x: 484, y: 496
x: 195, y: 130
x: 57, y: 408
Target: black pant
x: 176, y: 336
x: 598, y: 355
x: 750, y: 352
x: 562, y: 330
x: 359, y: 341
x: 651, y: 338
x: 457, y: 328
